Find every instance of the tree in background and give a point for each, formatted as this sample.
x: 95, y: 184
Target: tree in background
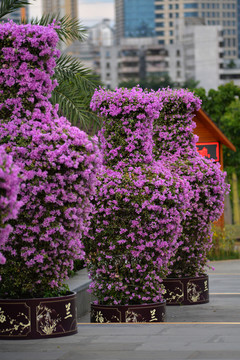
x: 150, y: 82
x: 215, y: 102
x: 223, y: 107
x: 76, y: 83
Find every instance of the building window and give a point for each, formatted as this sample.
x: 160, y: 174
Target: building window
x: 171, y: 23
x: 171, y: 32
x: 178, y: 53
x: 161, y: 42
x: 160, y: 16
x: 159, y: 7
x: 171, y: 41
x: 160, y: 33
x: 191, y: 14
x: 170, y: 15
x: 191, y: 6
x: 160, y: 24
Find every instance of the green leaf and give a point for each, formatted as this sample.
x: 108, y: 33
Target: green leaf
x: 72, y: 70
x: 70, y: 29
x: 75, y: 107
x: 9, y: 6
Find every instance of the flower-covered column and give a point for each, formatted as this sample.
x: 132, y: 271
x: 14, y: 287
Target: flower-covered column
x: 175, y: 143
x: 58, y: 165
x: 138, y: 207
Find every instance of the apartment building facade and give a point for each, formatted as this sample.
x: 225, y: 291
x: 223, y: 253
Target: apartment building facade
x: 161, y: 16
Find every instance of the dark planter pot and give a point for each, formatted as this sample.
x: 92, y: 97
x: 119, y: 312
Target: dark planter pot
x: 187, y: 291
x: 38, y: 318
x: 128, y: 313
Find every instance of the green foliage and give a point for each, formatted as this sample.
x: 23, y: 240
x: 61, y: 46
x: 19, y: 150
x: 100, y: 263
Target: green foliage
x: 223, y: 107
x: 223, y: 245
x: 70, y: 29
x: 74, y: 93
x: 230, y: 123
x: 9, y: 6
x: 190, y: 84
x: 151, y: 82
x: 215, y: 102
x: 231, y: 65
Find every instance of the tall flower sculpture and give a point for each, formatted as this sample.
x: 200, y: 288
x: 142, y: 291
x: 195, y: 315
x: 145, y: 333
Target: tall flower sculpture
x: 139, y: 205
x: 58, y: 163
x: 175, y: 143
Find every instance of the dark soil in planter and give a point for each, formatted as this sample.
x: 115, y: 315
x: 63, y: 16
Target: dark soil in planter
x: 187, y: 291
x: 128, y: 313
x: 38, y: 318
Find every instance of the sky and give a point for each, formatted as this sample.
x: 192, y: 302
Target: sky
x: 90, y: 12
x: 93, y: 11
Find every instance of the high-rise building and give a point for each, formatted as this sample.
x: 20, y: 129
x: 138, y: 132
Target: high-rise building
x: 62, y: 7
x: 213, y: 12
x: 135, y: 18
x: 160, y: 17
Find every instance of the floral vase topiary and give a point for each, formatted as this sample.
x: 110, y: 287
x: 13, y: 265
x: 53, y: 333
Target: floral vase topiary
x: 175, y: 143
x: 58, y: 165
x: 139, y: 208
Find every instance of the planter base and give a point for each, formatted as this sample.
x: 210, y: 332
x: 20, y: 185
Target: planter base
x: 38, y: 318
x: 128, y: 313
x: 187, y: 291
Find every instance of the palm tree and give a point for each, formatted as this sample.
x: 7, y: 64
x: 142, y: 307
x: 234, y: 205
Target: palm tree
x: 76, y: 82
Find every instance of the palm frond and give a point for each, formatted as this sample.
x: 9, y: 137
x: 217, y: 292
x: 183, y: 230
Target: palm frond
x: 72, y: 70
x: 74, y: 105
x: 70, y: 29
x: 9, y: 6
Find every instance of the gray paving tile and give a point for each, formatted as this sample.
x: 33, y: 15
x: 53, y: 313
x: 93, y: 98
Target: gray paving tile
x: 30, y: 356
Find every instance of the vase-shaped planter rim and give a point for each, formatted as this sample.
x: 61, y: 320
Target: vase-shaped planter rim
x: 146, y: 312
x: 67, y: 295
x: 187, y: 290
x: 38, y: 318
x: 127, y: 305
x: 186, y: 277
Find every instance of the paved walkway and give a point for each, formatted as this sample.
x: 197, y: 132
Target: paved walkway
x: 203, y: 332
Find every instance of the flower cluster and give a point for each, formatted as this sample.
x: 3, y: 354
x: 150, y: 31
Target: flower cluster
x: 176, y: 145
x: 173, y: 130
x: 9, y: 188
x: 139, y: 205
x: 126, y: 136
x: 59, y: 164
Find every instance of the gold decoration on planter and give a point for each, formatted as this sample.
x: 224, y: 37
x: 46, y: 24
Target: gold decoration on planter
x: 47, y: 320
x: 193, y: 292
x: 15, y: 326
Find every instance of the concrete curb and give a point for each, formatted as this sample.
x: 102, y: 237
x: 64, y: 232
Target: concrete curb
x: 80, y: 283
